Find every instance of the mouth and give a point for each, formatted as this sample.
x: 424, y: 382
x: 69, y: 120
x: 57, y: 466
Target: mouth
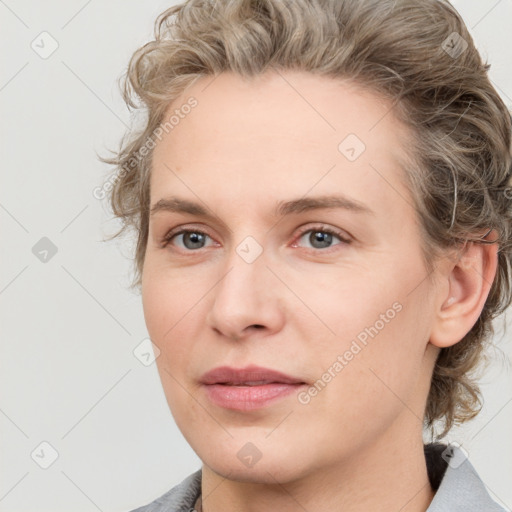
x: 248, y: 388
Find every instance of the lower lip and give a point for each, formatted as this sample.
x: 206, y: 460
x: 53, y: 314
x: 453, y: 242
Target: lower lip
x: 248, y: 398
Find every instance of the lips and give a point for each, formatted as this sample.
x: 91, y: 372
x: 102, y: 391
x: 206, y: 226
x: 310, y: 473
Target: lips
x: 249, y: 376
x: 248, y: 388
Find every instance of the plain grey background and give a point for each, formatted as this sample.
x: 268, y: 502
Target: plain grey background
x: 68, y: 374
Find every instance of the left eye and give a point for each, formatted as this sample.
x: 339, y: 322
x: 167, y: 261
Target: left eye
x: 322, y: 238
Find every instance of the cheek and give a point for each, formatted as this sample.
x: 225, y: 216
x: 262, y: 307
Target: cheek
x: 382, y: 330
x: 156, y: 304
x: 167, y: 298
x: 170, y: 324
x: 174, y: 305
x: 384, y: 374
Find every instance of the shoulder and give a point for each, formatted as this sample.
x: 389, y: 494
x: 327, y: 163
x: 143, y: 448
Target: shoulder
x: 180, y: 498
x: 460, y: 488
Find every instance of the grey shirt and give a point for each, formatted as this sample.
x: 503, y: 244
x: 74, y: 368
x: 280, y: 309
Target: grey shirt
x: 457, y: 486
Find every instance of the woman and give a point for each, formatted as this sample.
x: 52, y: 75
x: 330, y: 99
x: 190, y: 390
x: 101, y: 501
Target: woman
x: 322, y: 205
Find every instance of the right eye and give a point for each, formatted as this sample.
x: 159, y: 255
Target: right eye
x: 189, y: 239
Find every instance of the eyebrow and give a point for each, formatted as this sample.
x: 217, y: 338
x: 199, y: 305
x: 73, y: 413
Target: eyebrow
x: 283, y: 208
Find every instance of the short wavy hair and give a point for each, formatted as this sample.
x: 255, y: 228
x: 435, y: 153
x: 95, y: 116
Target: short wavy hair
x: 416, y: 53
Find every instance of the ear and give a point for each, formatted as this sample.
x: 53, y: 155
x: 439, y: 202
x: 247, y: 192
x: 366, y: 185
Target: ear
x: 465, y: 285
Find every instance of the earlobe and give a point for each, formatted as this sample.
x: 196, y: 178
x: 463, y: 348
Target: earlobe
x: 468, y: 279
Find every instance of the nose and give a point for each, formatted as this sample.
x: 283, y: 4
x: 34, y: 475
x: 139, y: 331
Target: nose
x: 247, y: 301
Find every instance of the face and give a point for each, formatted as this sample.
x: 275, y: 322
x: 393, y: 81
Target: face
x: 284, y: 249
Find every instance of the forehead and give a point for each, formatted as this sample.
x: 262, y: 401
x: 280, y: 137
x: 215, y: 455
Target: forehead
x: 279, y: 132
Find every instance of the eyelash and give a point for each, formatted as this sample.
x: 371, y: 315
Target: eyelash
x: 320, y: 228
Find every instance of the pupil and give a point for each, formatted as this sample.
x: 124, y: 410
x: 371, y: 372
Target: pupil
x: 323, y: 238
x: 195, y: 239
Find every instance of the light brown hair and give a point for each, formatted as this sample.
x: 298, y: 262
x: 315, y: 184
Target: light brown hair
x: 416, y: 53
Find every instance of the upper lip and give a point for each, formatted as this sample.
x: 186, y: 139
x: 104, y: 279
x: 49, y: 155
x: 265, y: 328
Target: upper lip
x: 248, y: 375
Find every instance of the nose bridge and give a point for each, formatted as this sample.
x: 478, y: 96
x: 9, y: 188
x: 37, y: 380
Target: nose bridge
x: 246, y: 263
x: 244, y: 296
x: 241, y: 286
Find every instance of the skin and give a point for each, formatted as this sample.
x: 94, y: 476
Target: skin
x: 357, y: 445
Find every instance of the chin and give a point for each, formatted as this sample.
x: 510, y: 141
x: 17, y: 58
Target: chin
x: 261, y: 473
x: 244, y: 462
